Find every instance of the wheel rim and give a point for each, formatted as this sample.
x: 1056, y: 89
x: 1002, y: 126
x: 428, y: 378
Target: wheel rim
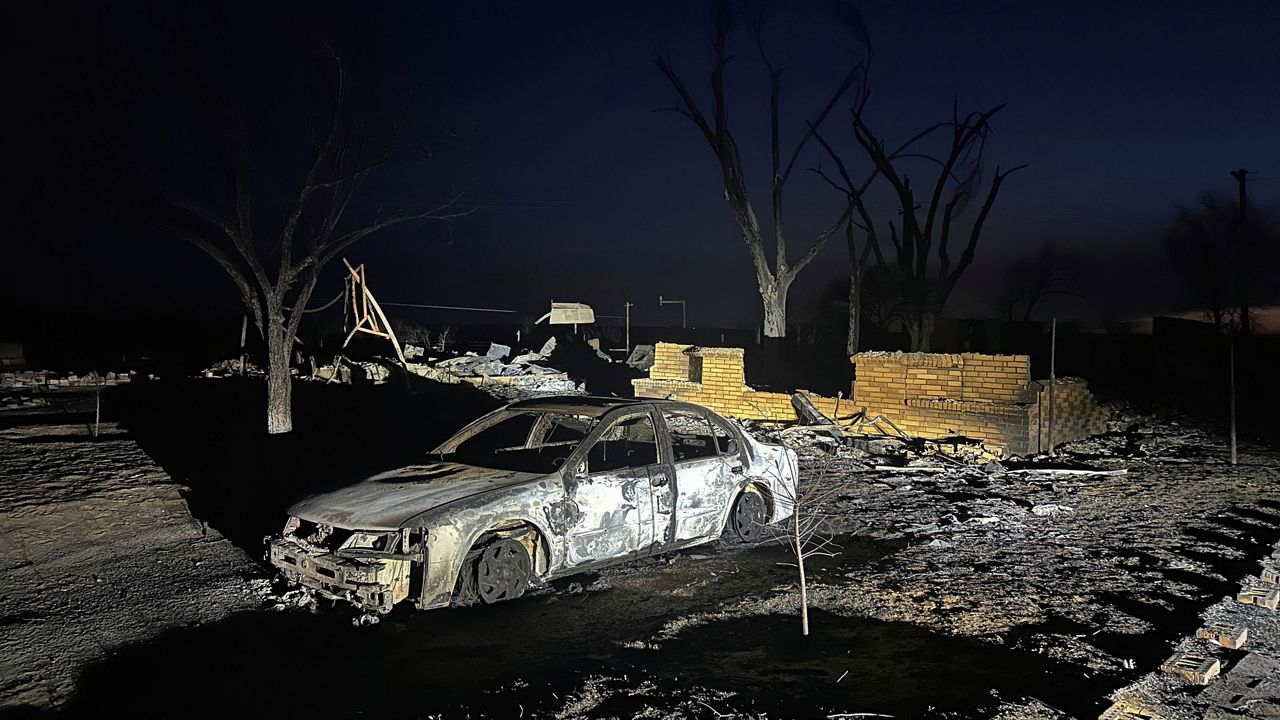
x: 748, y: 516
x: 502, y: 572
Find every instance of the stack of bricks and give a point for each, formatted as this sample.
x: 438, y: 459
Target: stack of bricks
x: 987, y: 397
x: 1075, y: 413
x: 714, y: 378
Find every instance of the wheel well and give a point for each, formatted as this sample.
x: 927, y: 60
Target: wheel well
x: 527, y: 534
x: 763, y: 491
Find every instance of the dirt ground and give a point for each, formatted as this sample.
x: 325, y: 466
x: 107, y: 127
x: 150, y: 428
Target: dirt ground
x: 98, y: 551
x: 965, y: 593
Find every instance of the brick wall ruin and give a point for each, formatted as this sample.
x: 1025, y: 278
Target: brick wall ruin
x: 991, y: 397
x: 713, y: 378
x: 931, y: 395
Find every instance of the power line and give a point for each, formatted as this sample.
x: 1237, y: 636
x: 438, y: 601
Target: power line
x: 449, y: 307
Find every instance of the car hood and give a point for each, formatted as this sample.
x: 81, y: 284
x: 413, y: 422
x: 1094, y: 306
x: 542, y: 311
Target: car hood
x: 386, y: 500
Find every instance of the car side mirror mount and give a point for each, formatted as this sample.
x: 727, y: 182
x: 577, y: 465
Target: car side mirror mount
x: 580, y: 470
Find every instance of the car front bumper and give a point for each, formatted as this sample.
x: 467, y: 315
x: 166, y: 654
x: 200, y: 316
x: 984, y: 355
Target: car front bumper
x: 375, y: 585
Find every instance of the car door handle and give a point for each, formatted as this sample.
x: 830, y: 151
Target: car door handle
x: 659, y: 480
x: 736, y: 469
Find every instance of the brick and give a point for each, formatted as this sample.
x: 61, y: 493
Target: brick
x: 1192, y: 666
x: 1259, y: 595
x: 1232, y: 637
x: 1271, y: 574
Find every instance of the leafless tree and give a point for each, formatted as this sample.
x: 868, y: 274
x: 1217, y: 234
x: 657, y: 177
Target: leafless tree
x: 772, y: 279
x: 956, y: 183
x: 808, y: 533
x: 276, y: 269
x: 1203, y: 249
x: 855, y: 194
x: 1032, y: 279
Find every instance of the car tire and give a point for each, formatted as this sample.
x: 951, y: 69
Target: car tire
x: 748, y: 516
x: 493, y: 571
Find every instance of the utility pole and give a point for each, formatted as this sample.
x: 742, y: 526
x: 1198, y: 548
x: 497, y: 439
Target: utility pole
x: 683, y: 322
x: 1241, y: 177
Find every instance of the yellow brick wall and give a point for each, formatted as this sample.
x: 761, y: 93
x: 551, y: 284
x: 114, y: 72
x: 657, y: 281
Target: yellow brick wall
x: 715, y: 378
x: 887, y: 380
x: 930, y: 395
x: 669, y: 362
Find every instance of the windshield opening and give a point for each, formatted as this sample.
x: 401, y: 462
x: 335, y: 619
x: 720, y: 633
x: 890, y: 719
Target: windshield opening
x: 535, y: 442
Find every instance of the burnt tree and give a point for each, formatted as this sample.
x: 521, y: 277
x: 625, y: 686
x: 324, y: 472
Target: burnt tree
x: 773, y: 278
x: 956, y: 182
x: 276, y: 263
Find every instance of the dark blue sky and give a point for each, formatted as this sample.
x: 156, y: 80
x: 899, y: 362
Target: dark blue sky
x: 583, y: 192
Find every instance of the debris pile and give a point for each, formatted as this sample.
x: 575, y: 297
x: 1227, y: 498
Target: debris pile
x: 521, y: 377
x: 641, y: 358
x: 231, y: 368
x: 21, y: 399
x: 45, y: 379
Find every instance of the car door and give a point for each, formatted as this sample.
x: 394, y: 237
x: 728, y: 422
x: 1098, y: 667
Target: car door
x: 704, y: 475
x: 611, y: 489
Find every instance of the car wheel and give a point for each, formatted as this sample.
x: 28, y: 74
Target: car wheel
x: 747, y: 519
x: 502, y: 571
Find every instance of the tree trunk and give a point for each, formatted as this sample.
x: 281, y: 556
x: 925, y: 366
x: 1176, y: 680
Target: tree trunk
x: 774, y: 298
x: 920, y: 329
x: 279, y: 382
x: 804, y: 587
x: 855, y: 305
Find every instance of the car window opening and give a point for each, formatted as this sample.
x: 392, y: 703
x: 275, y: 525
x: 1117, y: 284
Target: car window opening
x: 534, y: 442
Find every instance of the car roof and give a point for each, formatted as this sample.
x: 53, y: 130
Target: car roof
x: 591, y: 405
x: 581, y: 404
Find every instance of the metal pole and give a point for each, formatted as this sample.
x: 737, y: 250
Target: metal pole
x: 628, y: 309
x: 684, y: 323
x: 1231, y: 374
x: 1053, y: 376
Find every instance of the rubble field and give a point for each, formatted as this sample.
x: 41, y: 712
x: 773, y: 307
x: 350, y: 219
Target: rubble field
x: 1047, y: 588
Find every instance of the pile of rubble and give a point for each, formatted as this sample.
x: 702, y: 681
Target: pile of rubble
x: 231, y: 367
x: 46, y: 379
x: 22, y: 399
x: 521, y: 377
x: 345, y: 371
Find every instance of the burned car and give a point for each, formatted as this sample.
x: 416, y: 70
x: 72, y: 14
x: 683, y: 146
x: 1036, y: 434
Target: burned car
x: 536, y: 490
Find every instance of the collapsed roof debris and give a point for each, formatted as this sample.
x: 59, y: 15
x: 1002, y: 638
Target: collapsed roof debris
x: 522, y: 377
x: 641, y: 358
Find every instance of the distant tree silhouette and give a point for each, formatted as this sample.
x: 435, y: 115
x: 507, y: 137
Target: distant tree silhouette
x: 1202, y: 247
x: 1030, y: 280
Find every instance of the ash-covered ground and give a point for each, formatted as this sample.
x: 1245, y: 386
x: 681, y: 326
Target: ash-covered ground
x: 967, y: 592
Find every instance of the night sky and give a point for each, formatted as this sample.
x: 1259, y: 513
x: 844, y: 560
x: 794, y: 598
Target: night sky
x: 543, y: 113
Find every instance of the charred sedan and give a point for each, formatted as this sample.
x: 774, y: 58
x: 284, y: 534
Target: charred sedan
x: 536, y: 490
